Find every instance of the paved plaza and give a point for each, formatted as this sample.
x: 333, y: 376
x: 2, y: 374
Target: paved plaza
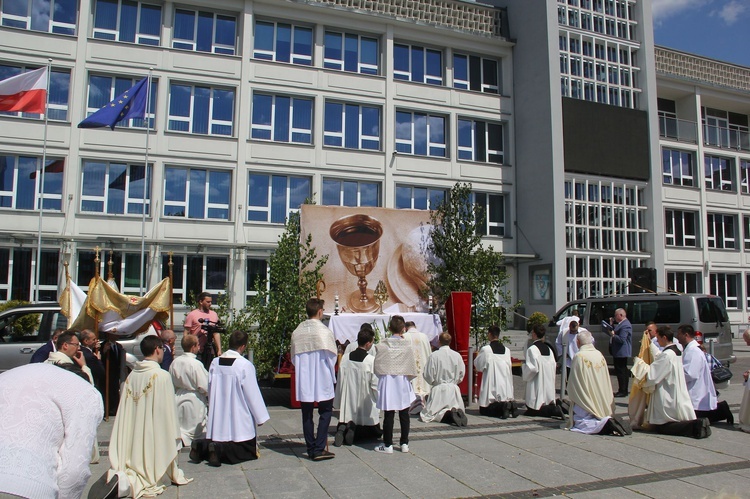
x: 523, y: 457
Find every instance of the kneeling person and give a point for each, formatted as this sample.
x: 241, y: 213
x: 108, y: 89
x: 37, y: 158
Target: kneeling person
x: 444, y: 371
x: 539, y: 375
x: 496, y: 393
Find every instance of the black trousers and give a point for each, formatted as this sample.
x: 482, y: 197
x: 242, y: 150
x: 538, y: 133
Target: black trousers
x: 622, y: 373
x: 229, y: 452
x: 316, y: 443
x: 721, y: 413
x: 388, y: 420
x: 678, y: 428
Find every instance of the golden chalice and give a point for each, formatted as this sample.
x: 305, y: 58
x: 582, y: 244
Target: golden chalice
x: 357, y: 239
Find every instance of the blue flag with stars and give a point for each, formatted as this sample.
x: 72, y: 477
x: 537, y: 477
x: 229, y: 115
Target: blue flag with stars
x: 129, y: 104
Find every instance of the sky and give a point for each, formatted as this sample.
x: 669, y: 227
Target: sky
x: 718, y: 29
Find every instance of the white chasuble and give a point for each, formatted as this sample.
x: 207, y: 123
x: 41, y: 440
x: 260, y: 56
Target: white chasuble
x: 497, y: 376
x: 539, y: 375
x: 444, y: 370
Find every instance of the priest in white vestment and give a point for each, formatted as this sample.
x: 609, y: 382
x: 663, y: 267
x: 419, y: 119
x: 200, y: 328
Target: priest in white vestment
x: 670, y: 411
x: 420, y: 343
x: 538, y: 372
x: 444, y: 370
x: 745, y: 406
x: 395, y: 367
x: 700, y: 384
x: 314, y: 354
x: 496, y: 393
x: 568, y: 337
x: 357, y: 393
x: 639, y: 399
x: 190, y: 381
x: 146, y: 433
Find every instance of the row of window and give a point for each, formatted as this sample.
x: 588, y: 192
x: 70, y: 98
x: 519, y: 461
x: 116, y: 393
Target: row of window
x: 682, y: 229
x: 728, y: 286
x: 215, y: 32
x: 589, y: 275
x: 719, y: 173
x: 620, y: 27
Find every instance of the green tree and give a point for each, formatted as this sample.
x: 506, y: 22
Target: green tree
x: 463, y: 263
x: 278, y: 308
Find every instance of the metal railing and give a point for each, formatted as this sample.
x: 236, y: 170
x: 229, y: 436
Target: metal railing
x: 726, y: 138
x: 676, y: 129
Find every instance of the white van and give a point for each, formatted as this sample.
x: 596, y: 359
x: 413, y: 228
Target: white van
x: 706, y: 313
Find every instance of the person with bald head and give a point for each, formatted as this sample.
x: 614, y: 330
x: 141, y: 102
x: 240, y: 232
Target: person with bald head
x: 90, y: 351
x: 190, y: 380
x: 444, y: 370
x: 168, y: 338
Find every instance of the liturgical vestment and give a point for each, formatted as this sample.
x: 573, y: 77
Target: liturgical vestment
x: 422, y: 350
x: 539, y: 375
x: 590, y: 391
x: 494, y: 363
x: 357, y: 392
x: 190, y: 380
x: 444, y: 370
x: 665, y: 380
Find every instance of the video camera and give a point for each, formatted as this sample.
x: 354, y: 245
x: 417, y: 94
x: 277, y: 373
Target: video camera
x: 212, y: 327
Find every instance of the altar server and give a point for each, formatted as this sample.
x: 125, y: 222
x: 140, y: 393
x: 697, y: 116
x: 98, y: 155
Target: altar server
x: 745, y: 406
x: 444, y: 370
x: 496, y: 393
x: 539, y: 375
x: 422, y: 350
x: 190, y: 380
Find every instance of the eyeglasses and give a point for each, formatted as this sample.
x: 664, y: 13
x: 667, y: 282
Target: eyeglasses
x: 77, y: 344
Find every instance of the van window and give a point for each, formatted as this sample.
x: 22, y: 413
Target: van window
x: 638, y: 312
x: 712, y: 310
x: 20, y: 327
x: 568, y: 311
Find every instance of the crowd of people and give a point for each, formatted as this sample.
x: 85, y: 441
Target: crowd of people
x: 209, y: 400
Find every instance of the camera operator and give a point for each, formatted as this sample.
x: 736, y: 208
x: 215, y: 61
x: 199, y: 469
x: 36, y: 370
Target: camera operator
x: 204, y: 323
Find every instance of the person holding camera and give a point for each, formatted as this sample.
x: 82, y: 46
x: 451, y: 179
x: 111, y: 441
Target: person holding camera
x: 204, y: 323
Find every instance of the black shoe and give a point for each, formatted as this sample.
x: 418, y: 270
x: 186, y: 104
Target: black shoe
x: 726, y: 412
x: 461, y: 418
x: 213, y: 456
x: 701, y: 428
x: 620, y: 394
x: 338, y: 440
x: 195, y: 456
x: 323, y: 456
x: 103, y: 489
x: 349, y: 434
x: 513, y: 409
x: 620, y: 427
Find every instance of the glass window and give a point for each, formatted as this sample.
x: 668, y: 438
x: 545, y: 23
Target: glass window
x: 492, y: 210
x: 198, y: 109
x: 350, y: 193
x: 725, y: 286
x: 35, y: 15
x: 677, y: 167
x: 720, y: 231
x: 127, y: 21
x: 471, y: 72
x: 194, y: 274
x: 256, y: 270
x: 680, y: 228
x: 17, y: 276
x: 197, y: 193
x: 718, y: 173
x: 272, y: 197
x: 20, y: 182
x: 480, y: 141
x: 282, y: 42
x: 59, y: 84
x: 352, y: 126
x: 418, y: 64
x: 684, y: 282
x: 281, y: 118
x: 103, y: 89
x: 420, y: 134
x: 744, y: 176
x: 115, y: 188
x: 351, y: 52
x: 419, y: 198
x: 204, y: 32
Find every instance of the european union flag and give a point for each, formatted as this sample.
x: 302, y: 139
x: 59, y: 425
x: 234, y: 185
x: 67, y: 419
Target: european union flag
x: 129, y: 104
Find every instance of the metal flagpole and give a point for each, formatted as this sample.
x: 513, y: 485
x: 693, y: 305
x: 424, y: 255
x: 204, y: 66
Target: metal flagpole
x: 145, y: 182
x: 41, y: 186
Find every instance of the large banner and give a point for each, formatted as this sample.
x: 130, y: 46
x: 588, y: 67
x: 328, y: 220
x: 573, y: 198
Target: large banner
x: 366, y: 246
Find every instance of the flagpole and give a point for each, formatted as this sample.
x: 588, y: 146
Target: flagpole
x: 145, y: 181
x: 41, y: 181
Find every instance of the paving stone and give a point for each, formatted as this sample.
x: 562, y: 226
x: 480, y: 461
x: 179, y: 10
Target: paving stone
x: 722, y: 483
x: 599, y: 465
x: 284, y: 482
x: 618, y: 493
x: 671, y: 489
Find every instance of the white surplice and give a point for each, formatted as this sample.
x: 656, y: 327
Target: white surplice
x: 394, y: 390
x: 314, y: 356
x: 698, y: 379
x: 190, y: 380
x: 564, y: 337
x: 539, y: 374
x: 420, y: 343
x: 357, y: 392
x: 497, y: 376
x: 236, y: 405
x: 665, y: 380
x: 590, y: 391
x: 146, y: 433
x: 444, y: 370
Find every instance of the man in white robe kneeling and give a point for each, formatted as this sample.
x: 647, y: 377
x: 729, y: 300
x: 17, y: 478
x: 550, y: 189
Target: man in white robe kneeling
x: 590, y: 392
x: 444, y: 370
x: 357, y: 393
x: 496, y: 393
x: 236, y: 407
x: 190, y: 380
x: 539, y: 374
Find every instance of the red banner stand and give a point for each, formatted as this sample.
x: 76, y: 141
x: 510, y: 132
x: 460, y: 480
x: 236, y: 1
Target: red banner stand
x: 458, y: 316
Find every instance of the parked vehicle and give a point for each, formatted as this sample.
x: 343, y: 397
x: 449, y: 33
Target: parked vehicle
x: 706, y: 313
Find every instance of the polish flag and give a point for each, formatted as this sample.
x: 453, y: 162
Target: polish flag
x: 26, y: 92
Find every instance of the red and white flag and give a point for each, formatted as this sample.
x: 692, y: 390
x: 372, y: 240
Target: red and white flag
x: 26, y: 92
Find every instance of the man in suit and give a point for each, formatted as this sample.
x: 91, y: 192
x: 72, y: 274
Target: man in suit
x: 621, y: 337
x: 49, y: 347
x: 90, y: 351
x: 113, y: 358
x: 168, y: 337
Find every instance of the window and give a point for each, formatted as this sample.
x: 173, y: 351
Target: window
x: 418, y: 64
x: 115, y: 188
x: 720, y: 231
x: 272, y: 197
x: 282, y: 118
x: 17, y: 271
x: 59, y: 84
x: 677, y: 167
x: 471, y: 72
x: 35, y: 15
x: 125, y: 269
x: 419, y: 198
x: 282, y: 42
x: 197, y: 193
x: 746, y: 232
x: 20, y: 180
x: 680, y: 228
x: 127, y: 21
x: 480, y: 141
x: 492, y: 209
x: 351, y: 52
x: 718, y: 173
x: 350, y: 193
x: 204, y: 32
x: 194, y: 274
x: 420, y: 134
x: 726, y: 287
x: 352, y: 126
x: 744, y: 176
x: 197, y: 109
x: 103, y: 89
x: 684, y: 282
x: 256, y: 270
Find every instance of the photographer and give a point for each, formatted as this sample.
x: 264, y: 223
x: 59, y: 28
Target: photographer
x: 204, y: 323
